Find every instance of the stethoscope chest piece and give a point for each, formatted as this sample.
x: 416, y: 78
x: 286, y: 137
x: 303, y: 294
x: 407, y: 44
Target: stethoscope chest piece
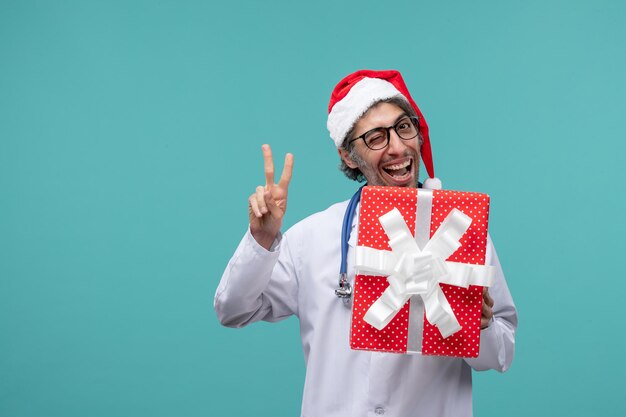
x: 345, y: 290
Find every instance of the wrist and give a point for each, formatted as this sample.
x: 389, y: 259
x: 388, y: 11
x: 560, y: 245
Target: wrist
x: 264, y: 239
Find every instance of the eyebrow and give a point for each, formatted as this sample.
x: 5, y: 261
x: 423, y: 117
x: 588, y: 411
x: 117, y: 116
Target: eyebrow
x: 382, y: 127
x: 400, y: 117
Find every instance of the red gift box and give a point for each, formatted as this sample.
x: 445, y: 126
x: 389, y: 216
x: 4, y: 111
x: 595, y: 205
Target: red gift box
x: 409, y: 330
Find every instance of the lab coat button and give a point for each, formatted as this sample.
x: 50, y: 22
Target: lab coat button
x: 380, y: 411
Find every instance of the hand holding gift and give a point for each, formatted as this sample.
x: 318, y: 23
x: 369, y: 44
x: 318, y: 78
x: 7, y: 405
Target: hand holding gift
x: 487, y: 311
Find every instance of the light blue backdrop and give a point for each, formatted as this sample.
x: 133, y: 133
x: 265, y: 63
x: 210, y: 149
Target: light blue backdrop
x: 130, y: 137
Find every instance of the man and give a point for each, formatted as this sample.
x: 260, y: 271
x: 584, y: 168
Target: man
x: 380, y: 134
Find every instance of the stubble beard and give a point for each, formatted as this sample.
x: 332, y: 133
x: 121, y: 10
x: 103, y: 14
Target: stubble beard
x: 371, y: 173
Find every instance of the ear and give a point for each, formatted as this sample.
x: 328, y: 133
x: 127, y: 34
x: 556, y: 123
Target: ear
x: 345, y: 156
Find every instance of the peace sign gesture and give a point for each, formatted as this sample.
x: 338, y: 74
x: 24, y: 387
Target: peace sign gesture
x: 267, y: 206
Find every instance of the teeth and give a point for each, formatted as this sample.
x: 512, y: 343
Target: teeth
x: 399, y: 166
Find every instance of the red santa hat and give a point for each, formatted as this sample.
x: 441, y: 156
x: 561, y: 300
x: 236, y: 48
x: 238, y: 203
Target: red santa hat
x: 357, y: 92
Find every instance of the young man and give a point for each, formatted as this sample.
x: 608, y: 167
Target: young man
x: 381, y: 135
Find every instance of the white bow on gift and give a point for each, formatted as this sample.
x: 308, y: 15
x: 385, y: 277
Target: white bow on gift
x: 412, y: 271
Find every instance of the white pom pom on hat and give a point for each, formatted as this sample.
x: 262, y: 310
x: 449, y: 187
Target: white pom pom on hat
x: 357, y: 92
x: 432, y: 183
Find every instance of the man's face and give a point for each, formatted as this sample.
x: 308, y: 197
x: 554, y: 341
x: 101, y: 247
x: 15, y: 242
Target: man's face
x: 396, y: 165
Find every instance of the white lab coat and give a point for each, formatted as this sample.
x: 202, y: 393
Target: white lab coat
x: 299, y: 275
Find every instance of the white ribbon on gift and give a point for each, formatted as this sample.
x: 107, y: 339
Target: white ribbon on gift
x: 412, y: 271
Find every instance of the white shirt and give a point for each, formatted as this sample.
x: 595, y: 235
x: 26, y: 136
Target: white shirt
x: 299, y: 275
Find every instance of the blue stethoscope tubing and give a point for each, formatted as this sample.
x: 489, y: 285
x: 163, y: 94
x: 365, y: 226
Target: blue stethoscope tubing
x: 348, y: 218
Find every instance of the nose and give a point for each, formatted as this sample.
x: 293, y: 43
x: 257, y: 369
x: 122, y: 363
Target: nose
x: 396, y: 145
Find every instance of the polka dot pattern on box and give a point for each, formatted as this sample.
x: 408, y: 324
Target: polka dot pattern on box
x: 466, y: 303
x: 393, y: 338
x: 378, y: 201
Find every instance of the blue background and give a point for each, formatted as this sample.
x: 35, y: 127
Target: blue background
x: 130, y: 137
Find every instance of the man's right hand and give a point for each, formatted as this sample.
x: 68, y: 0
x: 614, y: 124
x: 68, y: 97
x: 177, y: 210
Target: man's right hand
x: 267, y: 206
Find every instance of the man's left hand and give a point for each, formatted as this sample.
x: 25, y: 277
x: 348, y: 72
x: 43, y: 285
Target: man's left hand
x: 487, y: 313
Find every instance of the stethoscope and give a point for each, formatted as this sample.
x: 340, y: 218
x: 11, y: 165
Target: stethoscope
x: 344, y: 291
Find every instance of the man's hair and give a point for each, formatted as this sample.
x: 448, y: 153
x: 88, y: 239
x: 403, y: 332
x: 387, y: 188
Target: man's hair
x: 355, y: 174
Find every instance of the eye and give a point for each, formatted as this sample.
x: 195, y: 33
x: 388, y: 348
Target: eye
x: 404, y: 125
x: 375, y: 138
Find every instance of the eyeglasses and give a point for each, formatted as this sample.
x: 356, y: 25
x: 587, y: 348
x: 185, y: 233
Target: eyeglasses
x: 407, y: 128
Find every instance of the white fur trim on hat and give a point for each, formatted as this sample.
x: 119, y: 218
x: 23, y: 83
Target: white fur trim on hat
x: 359, y: 99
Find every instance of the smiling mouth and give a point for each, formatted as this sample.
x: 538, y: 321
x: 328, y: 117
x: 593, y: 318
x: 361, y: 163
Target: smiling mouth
x: 400, y: 171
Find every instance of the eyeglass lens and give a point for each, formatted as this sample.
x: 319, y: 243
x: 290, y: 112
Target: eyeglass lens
x: 379, y: 138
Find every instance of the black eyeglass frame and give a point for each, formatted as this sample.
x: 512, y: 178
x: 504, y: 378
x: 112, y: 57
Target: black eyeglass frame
x: 413, y: 119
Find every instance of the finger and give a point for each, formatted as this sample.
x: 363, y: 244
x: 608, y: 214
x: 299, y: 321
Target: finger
x: 269, y: 165
x: 487, y: 312
x: 487, y: 297
x: 272, y: 205
x: 260, y: 199
x: 487, y: 316
x: 285, y: 177
x: 254, y: 207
